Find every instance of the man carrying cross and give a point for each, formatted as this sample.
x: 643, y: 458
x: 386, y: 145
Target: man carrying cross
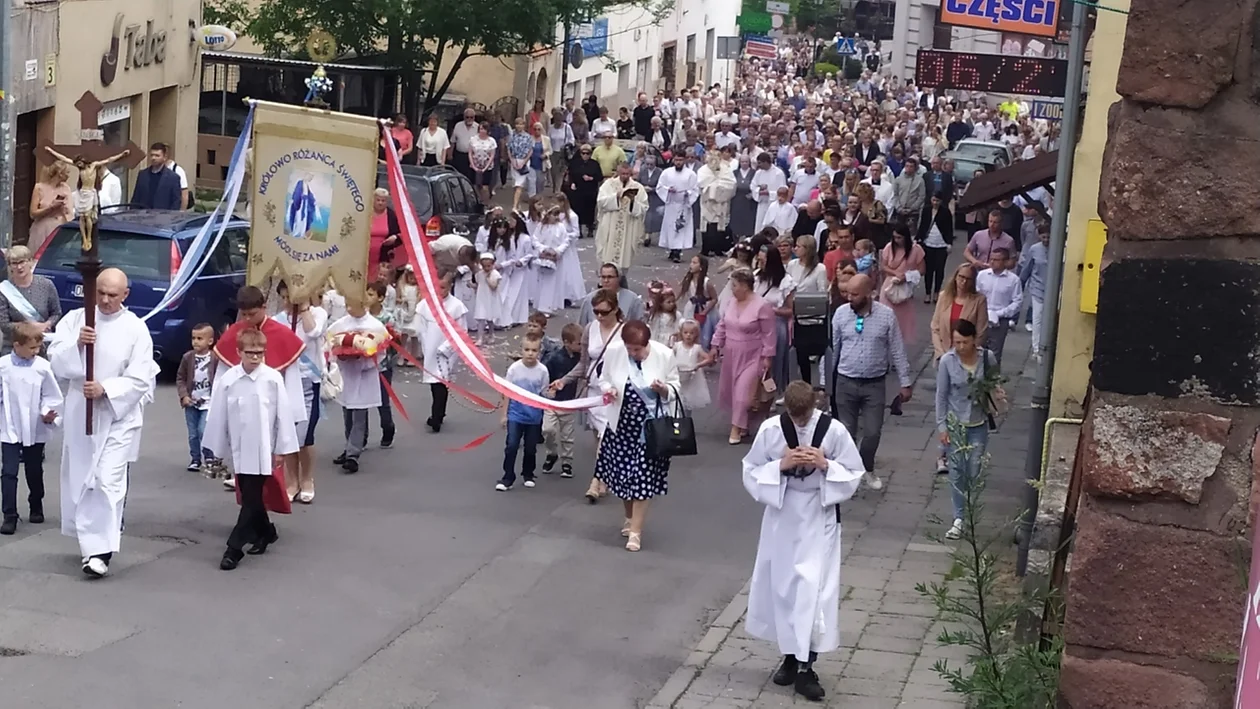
x: 94, y: 466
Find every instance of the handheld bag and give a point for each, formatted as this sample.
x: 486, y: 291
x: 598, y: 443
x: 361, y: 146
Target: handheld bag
x: 669, y: 436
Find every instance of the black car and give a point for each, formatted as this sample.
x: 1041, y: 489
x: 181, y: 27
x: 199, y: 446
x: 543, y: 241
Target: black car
x: 444, y: 200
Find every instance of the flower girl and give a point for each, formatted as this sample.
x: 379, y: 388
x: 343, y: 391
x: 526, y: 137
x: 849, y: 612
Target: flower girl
x: 487, y: 304
x: 691, y: 359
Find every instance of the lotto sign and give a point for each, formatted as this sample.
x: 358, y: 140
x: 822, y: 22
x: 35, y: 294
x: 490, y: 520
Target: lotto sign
x: 1036, y: 17
x: 1048, y: 110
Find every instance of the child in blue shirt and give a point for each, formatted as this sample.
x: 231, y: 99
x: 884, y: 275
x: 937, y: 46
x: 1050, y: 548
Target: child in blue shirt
x: 523, y: 422
x: 559, y: 426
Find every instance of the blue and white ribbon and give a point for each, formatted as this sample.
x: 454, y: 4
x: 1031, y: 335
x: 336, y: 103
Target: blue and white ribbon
x: 199, y: 251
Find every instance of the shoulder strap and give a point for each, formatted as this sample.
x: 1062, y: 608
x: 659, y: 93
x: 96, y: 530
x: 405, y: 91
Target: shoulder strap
x: 789, y: 430
x: 820, y: 431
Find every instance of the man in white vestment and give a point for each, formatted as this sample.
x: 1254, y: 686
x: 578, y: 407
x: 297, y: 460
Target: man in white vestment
x: 764, y: 186
x: 622, y: 205
x: 678, y: 188
x: 94, y: 468
x: 794, y: 596
x: 716, y: 180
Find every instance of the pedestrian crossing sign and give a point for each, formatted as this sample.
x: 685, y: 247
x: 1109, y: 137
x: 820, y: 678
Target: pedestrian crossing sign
x: 844, y: 47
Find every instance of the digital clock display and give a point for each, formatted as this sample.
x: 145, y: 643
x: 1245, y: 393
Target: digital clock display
x: 991, y: 73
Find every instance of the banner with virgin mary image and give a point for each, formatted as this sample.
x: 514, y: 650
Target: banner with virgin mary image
x: 313, y: 176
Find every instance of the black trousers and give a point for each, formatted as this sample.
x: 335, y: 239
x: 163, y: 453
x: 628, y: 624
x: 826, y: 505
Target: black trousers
x: 440, y: 396
x: 252, y: 524
x: 714, y: 240
x: 14, y: 455
x: 934, y: 259
x: 460, y: 162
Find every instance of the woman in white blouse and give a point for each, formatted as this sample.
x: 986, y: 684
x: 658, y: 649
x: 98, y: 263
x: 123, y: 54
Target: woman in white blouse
x: 808, y: 276
x: 772, y: 282
x: 433, y: 144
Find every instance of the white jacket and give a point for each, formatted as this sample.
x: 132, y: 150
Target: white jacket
x: 659, y: 365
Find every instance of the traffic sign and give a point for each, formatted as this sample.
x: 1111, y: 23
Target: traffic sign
x: 778, y: 8
x: 844, y: 47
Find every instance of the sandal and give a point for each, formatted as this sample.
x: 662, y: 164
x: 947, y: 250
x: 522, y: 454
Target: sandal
x: 625, y: 528
x: 633, y: 543
x: 306, y: 497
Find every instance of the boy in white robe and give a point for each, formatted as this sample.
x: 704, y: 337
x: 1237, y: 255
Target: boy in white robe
x: 794, y: 596
x: 29, y: 399
x: 360, y: 383
x: 764, y: 185
x: 250, y: 416
x: 678, y: 188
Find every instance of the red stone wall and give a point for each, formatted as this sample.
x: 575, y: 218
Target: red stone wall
x: 1172, y: 455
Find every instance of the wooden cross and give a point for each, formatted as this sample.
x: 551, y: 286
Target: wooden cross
x: 91, y: 157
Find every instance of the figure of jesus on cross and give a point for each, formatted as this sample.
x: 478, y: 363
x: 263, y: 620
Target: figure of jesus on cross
x: 91, y: 157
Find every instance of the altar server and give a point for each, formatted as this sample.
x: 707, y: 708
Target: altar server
x: 801, y: 466
x: 678, y: 189
x: 29, y: 400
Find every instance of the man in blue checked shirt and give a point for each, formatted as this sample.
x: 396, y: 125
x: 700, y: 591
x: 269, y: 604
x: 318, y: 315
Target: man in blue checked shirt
x: 865, y: 338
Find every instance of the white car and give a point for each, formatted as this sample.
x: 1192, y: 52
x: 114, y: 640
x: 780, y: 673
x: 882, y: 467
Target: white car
x: 985, y: 151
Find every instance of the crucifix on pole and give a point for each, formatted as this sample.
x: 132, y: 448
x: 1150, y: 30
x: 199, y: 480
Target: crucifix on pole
x: 91, y: 157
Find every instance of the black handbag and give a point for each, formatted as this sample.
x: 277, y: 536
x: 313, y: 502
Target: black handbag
x: 669, y: 436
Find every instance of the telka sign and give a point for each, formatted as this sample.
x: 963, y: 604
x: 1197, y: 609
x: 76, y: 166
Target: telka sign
x: 1035, y: 17
x: 144, y: 46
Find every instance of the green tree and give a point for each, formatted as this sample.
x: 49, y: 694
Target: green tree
x: 413, y: 35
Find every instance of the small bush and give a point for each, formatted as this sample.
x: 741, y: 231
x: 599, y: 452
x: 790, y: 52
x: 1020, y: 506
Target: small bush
x: 823, y: 69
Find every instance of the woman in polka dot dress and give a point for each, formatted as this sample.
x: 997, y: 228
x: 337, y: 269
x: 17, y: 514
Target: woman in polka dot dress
x: 635, y: 378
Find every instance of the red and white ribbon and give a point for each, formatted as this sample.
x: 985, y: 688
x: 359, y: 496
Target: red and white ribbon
x: 421, y: 258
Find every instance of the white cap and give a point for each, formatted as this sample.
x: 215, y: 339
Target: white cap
x: 485, y: 255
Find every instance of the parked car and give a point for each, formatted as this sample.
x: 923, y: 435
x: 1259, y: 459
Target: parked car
x: 989, y: 151
x: 149, y: 245
x: 444, y: 200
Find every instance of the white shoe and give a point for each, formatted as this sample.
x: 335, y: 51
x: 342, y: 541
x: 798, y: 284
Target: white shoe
x: 501, y: 487
x: 778, y: 402
x: 229, y: 484
x: 1028, y: 326
x: 529, y: 483
x: 95, y: 567
x: 873, y: 481
x: 955, y: 532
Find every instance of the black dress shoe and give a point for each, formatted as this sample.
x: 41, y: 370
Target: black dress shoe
x: 231, y: 558
x: 807, y: 685
x: 340, y: 460
x: 350, y: 465
x: 9, y: 526
x: 786, y: 673
x: 434, y: 425
x: 260, y: 547
x: 35, y: 517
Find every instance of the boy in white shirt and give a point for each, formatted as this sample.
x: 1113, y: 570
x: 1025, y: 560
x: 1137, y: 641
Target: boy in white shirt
x: 360, y: 382
x: 30, y: 398
x: 250, y: 416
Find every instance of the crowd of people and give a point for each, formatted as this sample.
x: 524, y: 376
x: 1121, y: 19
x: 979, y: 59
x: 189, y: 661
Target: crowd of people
x: 828, y: 205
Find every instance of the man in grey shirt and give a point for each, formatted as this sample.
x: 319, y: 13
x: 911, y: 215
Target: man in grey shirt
x: 866, y: 339
x: 36, y: 297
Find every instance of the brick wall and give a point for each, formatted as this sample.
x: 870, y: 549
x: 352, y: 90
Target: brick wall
x: 1160, y: 567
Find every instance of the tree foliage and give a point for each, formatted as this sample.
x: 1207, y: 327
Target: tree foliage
x: 428, y: 36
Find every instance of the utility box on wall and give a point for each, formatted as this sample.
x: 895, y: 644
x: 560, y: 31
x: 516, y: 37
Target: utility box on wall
x: 1095, y: 240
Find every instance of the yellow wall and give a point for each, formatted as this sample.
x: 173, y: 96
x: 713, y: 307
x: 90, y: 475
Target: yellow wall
x: 1075, y: 348
x: 86, y: 28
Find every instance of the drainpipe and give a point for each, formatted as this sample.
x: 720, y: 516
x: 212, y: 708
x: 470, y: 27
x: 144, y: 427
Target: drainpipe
x: 1054, y: 282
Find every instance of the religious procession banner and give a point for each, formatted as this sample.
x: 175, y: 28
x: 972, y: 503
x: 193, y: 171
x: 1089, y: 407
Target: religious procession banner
x: 313, y: 176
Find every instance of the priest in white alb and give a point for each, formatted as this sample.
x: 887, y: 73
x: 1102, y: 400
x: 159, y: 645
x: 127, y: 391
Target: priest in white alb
x: 94, y: 468
x: 622, y: 205
x: 801, y: 466
x: 716, y: 180
x: 678, y: 188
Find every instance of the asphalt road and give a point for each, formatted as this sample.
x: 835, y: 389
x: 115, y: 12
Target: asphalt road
x: 410, y: 584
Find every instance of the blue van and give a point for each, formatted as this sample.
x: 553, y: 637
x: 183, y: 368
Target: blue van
x: 148, y: 245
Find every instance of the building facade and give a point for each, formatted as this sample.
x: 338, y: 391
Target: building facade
x: 916, y: 26
x: 139, y: 58
x: 630, y: 49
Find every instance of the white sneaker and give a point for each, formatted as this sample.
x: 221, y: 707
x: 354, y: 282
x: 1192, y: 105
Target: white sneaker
x: 873, y: 481
x: 955, y: 532
x: 501, y: 487
x: 778, y: 402
x: 229, y: 484
x: 1028, y: 326
x: 529, y: 483
x: 95, y: 567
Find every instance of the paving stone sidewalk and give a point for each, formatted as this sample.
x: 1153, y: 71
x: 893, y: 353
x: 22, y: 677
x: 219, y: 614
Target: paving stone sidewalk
x: 888, y: 631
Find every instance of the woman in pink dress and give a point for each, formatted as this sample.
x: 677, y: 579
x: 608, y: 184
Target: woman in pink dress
x: 901, y: 256
x: 383, y: 239
x: 50, y: 205
x: 745, y: 338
